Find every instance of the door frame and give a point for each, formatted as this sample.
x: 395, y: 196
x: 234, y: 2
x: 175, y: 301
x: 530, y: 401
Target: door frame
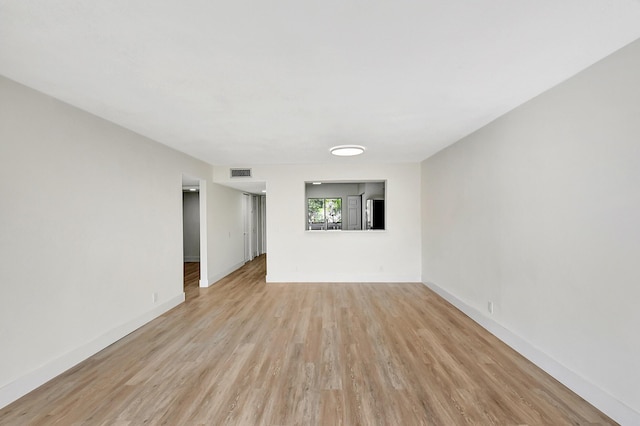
x: 202, y: 210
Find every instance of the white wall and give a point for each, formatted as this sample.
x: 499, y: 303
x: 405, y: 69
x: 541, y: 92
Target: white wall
x: 539, y: 212
x: 191, y: 226
x: 372, y: 190
x: 91, y: 227
x: 296, y: 255
x: 225, y: 231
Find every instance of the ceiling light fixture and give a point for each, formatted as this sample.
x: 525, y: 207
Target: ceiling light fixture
x: 347, y: 150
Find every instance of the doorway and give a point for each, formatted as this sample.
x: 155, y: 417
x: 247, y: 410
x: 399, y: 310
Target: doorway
x: 254, y: 215
x: 248, y: 220
x: 194, y: 235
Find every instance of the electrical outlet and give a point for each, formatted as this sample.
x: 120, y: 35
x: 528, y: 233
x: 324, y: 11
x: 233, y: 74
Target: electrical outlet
x: 154, y: 297
x: 490, y: 307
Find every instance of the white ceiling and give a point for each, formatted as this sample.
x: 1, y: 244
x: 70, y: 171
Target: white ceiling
x: 242, y: 82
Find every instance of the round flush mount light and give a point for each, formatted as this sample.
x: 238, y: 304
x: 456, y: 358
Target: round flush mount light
x: 347, y: 150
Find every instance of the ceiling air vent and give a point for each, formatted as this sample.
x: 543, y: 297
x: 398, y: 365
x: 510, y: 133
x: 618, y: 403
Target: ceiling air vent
x: 240, y: 173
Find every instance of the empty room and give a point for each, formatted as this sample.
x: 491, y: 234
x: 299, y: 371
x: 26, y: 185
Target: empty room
x: 320, y: 213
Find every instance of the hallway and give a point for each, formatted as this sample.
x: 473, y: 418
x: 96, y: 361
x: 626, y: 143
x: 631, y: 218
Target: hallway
x: 191, y: 274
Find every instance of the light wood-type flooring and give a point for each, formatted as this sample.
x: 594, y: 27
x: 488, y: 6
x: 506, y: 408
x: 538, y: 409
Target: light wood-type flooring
x: 243, y: 352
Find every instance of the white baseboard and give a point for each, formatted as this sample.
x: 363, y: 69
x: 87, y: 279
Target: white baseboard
x: 25, y: 384
x: 355, y: 278
x: 220, y: 275
x: 191, y: 258
x: 597, y: 397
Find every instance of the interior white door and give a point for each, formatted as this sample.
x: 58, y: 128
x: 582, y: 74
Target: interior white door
x: 354, y: 211
x: 247, y: 226
x: 254, y: 226
x: 263, y: 224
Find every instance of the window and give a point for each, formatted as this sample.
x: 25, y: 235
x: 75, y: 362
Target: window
x: 324, y: 213
x: 345, y: 206
x: 363, y: 203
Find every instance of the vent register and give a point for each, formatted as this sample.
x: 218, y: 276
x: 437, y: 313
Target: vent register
x: 236, y: 173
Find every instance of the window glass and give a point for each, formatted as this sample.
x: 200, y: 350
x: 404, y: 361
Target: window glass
x: 324, y: 213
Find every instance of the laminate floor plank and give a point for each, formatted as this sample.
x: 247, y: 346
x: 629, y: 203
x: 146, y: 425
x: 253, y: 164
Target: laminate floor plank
x: 244, y: 352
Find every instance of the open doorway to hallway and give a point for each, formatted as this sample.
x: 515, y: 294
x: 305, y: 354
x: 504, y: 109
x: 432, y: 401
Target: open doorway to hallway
x: 254, y: 218
x: 194, y: 235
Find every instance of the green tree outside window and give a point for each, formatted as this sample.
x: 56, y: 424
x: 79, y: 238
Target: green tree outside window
x: 324, y: 213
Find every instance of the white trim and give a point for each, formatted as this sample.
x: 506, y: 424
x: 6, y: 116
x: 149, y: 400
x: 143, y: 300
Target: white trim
x: 608, y: 404
x: 30, y: 381
x: 192, y: 258
x: 204, y: 237
x: 342, y: 278
x: 221, y: 275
